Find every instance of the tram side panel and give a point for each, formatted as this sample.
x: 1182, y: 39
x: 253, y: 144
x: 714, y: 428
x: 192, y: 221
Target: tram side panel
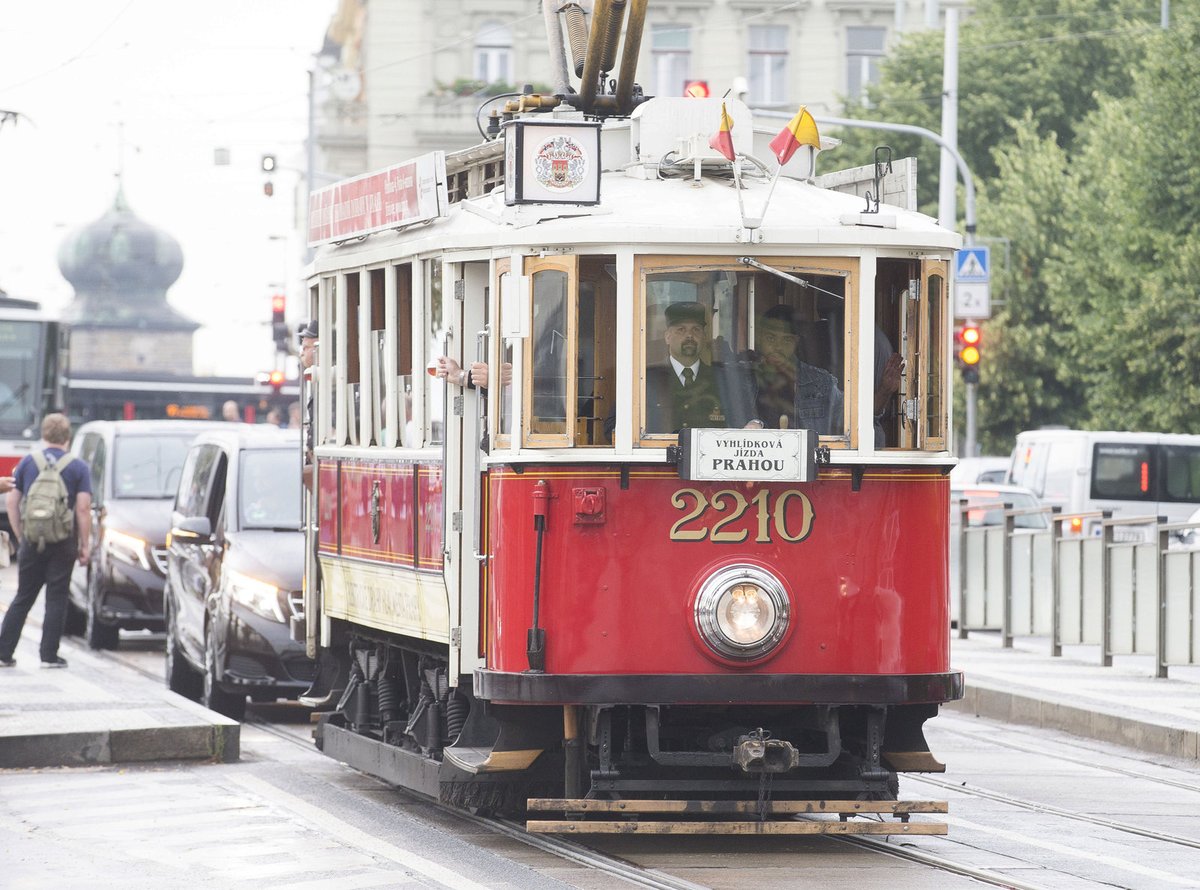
x: 380, y: 546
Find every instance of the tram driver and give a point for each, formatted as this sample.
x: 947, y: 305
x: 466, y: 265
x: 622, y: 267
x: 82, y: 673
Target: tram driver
x: 685, y: 391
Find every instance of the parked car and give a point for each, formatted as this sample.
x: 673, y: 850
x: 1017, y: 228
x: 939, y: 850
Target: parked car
x: 978, y: 496
x: 135, y: 467
x: 235, y: 557
x: 972, y: 470
x: 1131, y: 474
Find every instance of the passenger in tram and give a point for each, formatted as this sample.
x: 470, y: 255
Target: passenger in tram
x: 789, y: 392
x: 229, y: 412
x: 685, y: 391
x: 888, y: 368
x: 468, y: 378
x: 308, y: 338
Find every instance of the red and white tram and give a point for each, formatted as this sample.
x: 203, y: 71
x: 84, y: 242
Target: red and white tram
x: 588, y: 581
x: 32, y: 367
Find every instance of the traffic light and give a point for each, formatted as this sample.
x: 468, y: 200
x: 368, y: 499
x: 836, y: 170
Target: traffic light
x: 268, y: 188
x: 276, y: 380
x: 969, y: 340
x: 268, y: 163
x: 279, y: 331
x: 696, y: 89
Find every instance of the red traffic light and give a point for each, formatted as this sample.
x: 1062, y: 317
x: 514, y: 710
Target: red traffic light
x: 275, y: 378
x: 696, y: 89
x: 278, y: 304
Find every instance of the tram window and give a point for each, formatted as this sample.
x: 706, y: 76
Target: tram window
x: 402, y: 401
x: 436, y: 337
x: 936, y: 312
x: 596, y: 358
x: 726, y: 346
x: 505, y: 410
x: 549, y: 379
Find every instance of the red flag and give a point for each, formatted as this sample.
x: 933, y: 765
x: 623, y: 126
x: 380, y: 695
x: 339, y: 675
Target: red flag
x: 801, y: 130
x: 723, y: 140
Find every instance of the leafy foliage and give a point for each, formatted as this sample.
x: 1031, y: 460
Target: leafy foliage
x: 1080, y: 123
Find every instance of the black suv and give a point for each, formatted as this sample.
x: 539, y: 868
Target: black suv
x: 235, y: 558
x: 135, y: 468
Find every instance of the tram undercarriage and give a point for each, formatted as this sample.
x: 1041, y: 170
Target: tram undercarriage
x: 398, y: 718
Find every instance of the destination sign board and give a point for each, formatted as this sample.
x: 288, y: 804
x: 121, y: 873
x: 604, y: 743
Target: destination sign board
x: 401, y: 195
x: 719, y: 455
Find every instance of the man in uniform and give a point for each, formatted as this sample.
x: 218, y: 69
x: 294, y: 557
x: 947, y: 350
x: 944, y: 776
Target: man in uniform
x: 685, y: 391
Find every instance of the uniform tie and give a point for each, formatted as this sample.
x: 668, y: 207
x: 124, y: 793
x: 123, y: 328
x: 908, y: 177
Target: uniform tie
x: 688, y: 377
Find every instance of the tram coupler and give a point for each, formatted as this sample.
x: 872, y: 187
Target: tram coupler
x: 755, y: 753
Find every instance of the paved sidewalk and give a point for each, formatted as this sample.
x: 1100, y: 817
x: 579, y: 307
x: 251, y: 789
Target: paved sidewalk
x: 1123, y: 704
x: 89, y: 713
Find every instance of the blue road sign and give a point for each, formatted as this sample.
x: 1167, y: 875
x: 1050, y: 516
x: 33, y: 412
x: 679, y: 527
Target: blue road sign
x: 972, y: 265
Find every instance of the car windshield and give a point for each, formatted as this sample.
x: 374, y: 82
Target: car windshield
x: 269, y: 489
x: 148, y: 466
x: 1020, y: 500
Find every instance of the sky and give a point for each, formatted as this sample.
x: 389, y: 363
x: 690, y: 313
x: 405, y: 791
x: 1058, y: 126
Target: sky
x: 152, y: 88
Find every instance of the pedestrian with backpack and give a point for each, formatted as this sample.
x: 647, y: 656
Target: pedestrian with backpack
x: 50, y: 510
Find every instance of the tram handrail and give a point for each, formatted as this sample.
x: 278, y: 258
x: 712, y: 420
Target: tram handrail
x: 1121, y: 602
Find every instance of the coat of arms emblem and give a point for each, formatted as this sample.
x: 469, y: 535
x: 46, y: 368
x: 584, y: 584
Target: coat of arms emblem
x: 560, y: 163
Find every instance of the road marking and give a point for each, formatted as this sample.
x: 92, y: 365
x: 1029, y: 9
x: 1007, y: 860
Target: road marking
x: 356, y: 837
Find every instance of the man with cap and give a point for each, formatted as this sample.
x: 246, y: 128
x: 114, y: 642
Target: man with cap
x: 308, y: 357
x: 789, y: 392
x: 686, y: 392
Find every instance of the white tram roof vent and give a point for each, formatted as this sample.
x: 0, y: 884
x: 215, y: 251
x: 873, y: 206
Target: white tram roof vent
x: 682, y: 127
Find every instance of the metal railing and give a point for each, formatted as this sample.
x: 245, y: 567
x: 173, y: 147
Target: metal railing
x: 1132, y: 590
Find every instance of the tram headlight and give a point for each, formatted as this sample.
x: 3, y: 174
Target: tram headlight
x: 742, y: 612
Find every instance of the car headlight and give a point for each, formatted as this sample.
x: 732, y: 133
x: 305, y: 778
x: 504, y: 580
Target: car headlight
x: 742, y: 612
x: 126, y: 548
x: 257, y: 596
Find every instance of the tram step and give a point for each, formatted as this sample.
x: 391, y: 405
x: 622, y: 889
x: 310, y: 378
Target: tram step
x: 657, y: 809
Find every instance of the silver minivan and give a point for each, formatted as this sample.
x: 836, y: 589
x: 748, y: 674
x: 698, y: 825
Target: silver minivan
x: 1131, y: 474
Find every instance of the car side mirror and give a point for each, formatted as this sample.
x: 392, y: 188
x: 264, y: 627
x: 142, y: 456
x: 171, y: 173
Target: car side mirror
x: 193, y: 530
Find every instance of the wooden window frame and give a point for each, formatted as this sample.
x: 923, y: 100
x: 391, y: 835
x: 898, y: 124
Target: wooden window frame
x: 849, y: 268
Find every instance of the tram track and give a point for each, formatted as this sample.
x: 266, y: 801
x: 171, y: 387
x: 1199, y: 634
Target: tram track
x: 634, y: 874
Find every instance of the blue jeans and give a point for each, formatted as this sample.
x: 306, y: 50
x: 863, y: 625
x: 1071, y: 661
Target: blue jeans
x: 50, y: 568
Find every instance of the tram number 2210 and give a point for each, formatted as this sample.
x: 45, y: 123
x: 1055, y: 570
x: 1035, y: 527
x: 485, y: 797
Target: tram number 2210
x: 719, y: 517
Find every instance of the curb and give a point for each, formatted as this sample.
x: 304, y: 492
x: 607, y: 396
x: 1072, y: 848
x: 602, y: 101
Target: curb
x: 1088, y: 720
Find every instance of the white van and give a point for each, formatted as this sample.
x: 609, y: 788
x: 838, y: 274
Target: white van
x: 1131, y: 474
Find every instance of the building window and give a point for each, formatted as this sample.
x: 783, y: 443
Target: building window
x: 864, y: 49
x: 493, y: 53
x: 670, y: 53
x: 768, y: 64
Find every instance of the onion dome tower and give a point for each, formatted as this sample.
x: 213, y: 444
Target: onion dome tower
x: 120, y: 268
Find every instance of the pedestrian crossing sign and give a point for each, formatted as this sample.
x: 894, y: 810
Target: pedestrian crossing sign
x: 972, y: 265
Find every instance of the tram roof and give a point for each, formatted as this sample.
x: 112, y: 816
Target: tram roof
x: 640, y: 206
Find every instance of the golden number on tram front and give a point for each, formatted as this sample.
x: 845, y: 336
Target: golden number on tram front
x: 766, y: 516
x: 723, y: 537
x: 677, y: 501
x: 781, y: 516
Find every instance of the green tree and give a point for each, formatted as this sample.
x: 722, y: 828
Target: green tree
x: 1052, y: 58
x: 1125, y: 283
